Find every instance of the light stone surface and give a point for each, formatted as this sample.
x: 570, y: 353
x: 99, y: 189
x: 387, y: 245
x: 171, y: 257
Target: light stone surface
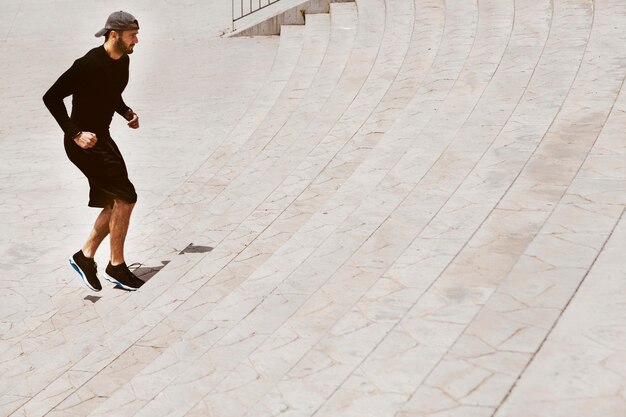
x: 412, y: 208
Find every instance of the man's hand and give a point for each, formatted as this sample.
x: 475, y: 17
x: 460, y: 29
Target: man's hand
x: 134, y: 122
x: 86, y: 140
x: 133, y: 119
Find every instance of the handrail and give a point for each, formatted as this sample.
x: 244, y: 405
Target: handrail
x: 241, y: 8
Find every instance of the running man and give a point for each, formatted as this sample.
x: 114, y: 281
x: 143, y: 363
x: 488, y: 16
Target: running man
x: 96, y: 82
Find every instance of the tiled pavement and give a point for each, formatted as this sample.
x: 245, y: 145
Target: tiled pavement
x: 414, y: 208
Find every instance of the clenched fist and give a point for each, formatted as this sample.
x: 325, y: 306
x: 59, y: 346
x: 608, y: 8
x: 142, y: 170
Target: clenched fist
x: 86, y: 140
x: 134, y: 122
x: 132, y: 118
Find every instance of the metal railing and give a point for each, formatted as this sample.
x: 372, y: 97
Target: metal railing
x: 244, y: 8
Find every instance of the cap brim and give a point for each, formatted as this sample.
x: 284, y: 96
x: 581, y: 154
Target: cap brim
x: 101, y: 32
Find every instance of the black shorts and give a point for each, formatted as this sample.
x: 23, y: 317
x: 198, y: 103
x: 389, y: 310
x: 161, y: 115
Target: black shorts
x: 105, y: 170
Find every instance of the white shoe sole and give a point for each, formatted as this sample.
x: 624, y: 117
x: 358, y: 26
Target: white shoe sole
x: 119, y: 284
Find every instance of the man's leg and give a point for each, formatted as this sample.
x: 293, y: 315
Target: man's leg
x: 117, y: 272
x: 118, y: 226
x: 98, y: 233
x: 82, y: 261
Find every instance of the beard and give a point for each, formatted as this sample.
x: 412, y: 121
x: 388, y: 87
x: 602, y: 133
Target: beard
x: 123, y: 48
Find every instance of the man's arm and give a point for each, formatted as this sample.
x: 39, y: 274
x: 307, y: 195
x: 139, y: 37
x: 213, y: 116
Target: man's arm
x: 128, y: 114
x: 122, y: 109
x: 53, y: 99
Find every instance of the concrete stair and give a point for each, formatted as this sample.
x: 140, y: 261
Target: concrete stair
x: 419, y: 213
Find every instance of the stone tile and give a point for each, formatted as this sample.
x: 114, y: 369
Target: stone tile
x: 412, y: 217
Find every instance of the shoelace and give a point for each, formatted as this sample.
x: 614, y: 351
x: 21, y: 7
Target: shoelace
x: 138, y: 264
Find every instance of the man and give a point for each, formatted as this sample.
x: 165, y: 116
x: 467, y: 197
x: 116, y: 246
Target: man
x: 96, y: 82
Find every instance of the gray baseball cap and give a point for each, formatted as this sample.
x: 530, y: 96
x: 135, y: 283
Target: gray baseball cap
x: 119, y: 21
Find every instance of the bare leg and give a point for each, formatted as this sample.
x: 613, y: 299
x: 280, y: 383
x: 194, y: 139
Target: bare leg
x: 118, y: 226
x: 98, y: 233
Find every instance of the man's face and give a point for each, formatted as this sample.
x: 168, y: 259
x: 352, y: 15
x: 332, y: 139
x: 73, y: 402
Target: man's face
x: 126, y: 41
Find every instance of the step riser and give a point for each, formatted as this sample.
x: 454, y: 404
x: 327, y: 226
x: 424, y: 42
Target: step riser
x: 292, y: 16
x: 431, y: 203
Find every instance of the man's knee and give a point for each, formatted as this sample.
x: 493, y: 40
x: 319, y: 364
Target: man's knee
x: 121, y: 204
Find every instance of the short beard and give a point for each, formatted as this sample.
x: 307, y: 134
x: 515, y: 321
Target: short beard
x: 121, y: 47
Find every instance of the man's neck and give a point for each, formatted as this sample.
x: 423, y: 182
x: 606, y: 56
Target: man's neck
x: 112, y: 51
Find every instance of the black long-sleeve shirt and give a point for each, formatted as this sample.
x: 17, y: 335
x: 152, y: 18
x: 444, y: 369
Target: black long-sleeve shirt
x: 96, y: 82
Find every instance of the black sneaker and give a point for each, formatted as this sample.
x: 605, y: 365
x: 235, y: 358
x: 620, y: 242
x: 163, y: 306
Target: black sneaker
x: 121, y: 276
x: 87, y: 269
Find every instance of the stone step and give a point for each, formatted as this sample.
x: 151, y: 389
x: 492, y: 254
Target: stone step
x: 145, y: 378
x: 344, y: 23
x: 269, y: 20
x: 420, y: 213
x: 231, y: 161
x: 64, y: 305
x: 47, y: 304
x: 468, y: 367
x: 554, y: 286
x: 583, y: 355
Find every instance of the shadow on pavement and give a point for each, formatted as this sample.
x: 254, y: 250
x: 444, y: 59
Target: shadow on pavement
x: 145, y: 273
x: 191, y: 248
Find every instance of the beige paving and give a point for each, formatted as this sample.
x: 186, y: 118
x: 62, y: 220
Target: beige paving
x: 181, y: 319
x: 105, y: 313
x: 415, y: 208
x: 50, y: 202
x: 352, y: 78
x: 159, y: 124
x: 291, y: 43
x: 489, y: 356
x: 74, y: 334
x: 579, y: 369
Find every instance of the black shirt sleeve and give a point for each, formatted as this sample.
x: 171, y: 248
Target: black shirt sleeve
x: 122, y: 108
x: 63, y: 87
